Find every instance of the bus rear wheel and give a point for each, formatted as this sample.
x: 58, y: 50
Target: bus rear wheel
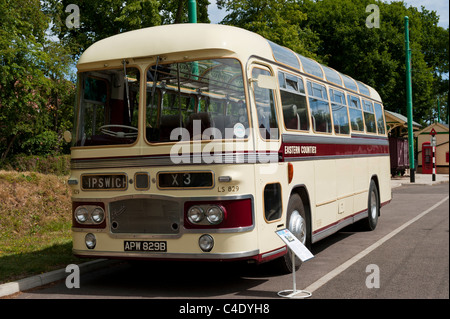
x: 373, y: 207
x: 298, y: 225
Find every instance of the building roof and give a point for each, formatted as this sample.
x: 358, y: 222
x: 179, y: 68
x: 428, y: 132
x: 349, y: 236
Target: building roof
x: 401, y: 119
x: 439, y: 127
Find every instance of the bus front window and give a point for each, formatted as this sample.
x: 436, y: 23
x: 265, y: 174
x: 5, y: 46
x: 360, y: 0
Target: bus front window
x: 107, y: 112
x: 205, y: 98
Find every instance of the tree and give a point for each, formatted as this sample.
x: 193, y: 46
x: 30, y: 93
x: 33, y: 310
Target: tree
x: 20, y: 52
x: 277, y: 20
x: 99, y: 19
x: 335, y: 33
x: 103, y: 18
x: 376, y: 55
x: 30, y: 73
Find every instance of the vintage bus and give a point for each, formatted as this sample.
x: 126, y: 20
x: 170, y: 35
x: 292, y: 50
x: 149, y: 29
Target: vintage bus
x: 199, y: 142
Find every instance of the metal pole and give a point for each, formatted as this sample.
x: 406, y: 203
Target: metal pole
x: 192, y: 11
x: 294, y: 290
x: 192, y: 14
x: 409, y: 102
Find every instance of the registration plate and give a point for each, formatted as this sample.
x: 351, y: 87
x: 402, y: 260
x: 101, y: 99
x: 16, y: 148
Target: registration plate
x: 183, y: 180
x: 133, y: 245
x: 104, y: 182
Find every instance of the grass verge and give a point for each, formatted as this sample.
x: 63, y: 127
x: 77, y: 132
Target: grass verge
x: 35, y: 224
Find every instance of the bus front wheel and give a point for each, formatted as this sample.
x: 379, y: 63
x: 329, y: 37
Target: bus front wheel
x: 298, y: 225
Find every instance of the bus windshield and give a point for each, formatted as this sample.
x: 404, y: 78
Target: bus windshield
x: 196, y: 100
x: 107, y: 111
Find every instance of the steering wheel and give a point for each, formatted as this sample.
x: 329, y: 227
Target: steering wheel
x: 105, y: 129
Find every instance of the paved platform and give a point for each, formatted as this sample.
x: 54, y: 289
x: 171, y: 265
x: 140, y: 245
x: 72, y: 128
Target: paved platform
x: 420, y: 179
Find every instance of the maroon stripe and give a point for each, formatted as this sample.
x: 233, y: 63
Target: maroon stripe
x: 294, y: 150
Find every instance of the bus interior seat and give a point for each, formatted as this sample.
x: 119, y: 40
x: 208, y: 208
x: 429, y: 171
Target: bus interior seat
x: 303, y: 114
x: 168, y: 124
x: 205, y: 122
x: 291, y: 117
x: 221, y: 122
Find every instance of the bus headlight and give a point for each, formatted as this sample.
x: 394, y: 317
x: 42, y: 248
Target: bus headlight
x: 90, y: 214
x: 90, y: 241
x: 81, y: 214
x: 206, y: 242
x: 214, y: 215
x: 98, y: 214
x: 195, y: 214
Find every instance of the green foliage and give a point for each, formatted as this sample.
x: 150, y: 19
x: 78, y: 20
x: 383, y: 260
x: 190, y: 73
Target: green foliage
x: 43, y: 143
x: 376, y: 55
x: 277, y: 20
x: 100, y: 19
x: 33, y: 85
x: 58, y: 165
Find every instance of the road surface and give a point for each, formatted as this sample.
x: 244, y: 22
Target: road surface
x: 407, y: 256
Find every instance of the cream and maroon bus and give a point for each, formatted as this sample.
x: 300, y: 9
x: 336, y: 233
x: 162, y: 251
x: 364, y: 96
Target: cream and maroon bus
x: 199, y: 142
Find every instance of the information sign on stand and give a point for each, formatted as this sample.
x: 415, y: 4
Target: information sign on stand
x: 298, y: 249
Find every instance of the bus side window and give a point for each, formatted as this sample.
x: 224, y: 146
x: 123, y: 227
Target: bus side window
x: 380, y: 118
x: 265, y: 107
x: 339, y: 110
x: 293, y: 100
x: 354, y: 108
x: 320, y: 109
x: 369, y: 117
x: 272, y: 202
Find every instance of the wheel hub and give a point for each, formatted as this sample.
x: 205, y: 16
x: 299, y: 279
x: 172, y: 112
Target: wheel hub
x: 297, y: 226
x: 373, y: 205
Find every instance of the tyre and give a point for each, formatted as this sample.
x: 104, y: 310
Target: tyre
x: 298, y: 224
x: 373, y: 207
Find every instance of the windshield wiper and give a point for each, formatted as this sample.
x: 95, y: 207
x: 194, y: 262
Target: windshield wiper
x: 155, y: 78
x: 126, y: 88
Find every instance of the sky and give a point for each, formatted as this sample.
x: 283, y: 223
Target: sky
x: 440, y: 6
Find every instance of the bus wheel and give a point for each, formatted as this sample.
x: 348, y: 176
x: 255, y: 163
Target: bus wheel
x: 297, y: 224
x: 373, y: 207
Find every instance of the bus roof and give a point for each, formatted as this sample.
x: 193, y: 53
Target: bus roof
x: 165, y: 39
x: 174, y: 38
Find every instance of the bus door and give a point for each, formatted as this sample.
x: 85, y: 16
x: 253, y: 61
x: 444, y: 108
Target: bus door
x: 427, y: 158
x: 268, y: 174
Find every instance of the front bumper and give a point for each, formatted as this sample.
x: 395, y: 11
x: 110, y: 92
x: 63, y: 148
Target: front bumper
x: 227, y: 246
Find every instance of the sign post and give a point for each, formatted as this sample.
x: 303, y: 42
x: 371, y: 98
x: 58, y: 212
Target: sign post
x: 299, y: 250
x: 433, y: 146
